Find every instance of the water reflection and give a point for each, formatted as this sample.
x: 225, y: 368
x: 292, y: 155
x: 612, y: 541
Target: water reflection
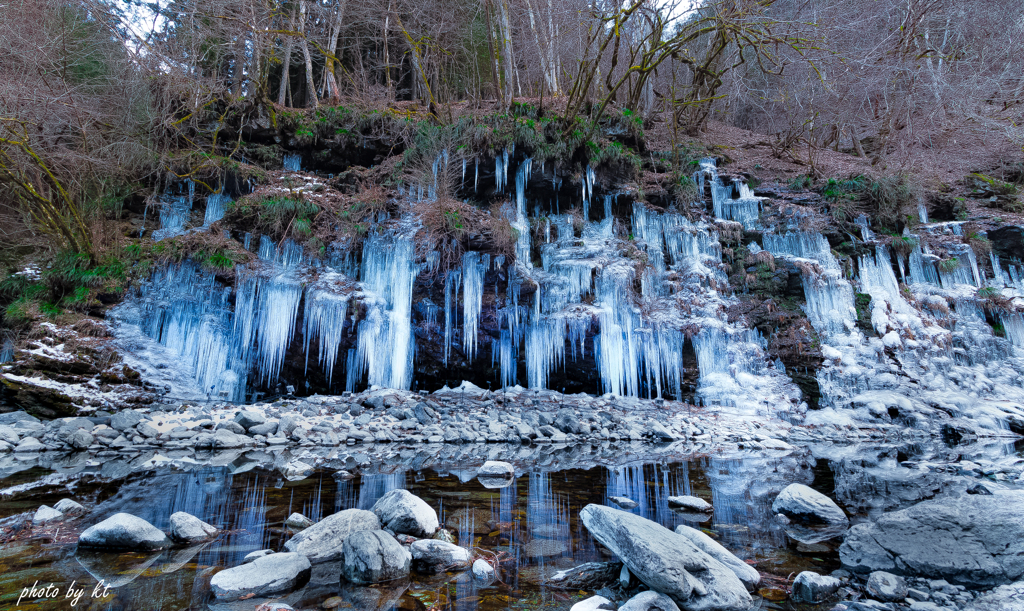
x: 530, y: 527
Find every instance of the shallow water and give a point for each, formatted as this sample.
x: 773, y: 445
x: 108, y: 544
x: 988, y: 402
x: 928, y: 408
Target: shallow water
x: 532, y: 526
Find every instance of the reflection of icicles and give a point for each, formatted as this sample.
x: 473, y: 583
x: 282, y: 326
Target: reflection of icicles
x: 371, y: 486
x: 385, y: 341
x: 474, y: 266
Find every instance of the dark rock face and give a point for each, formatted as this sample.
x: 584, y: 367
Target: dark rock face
x: 1008, y: 242
x: 973, y: 540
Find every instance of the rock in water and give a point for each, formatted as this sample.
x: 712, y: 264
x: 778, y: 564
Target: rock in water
x: 810, y: 587
x: 974, y: 540
x: 404, y: 512
x: 432, y: 556
x: 496, y: 468
x: 297, y: 521
x: 886, y: 586
x: 594, y: 603
x: 689, y: 503
x: 649, y: 601
x: 69, y: 507
x: 483, y: 571
x: 323, y: 541
x: 124, y: 531
x: 665, y: 561
x: 623, y: 502
x: 743, y: 571
x: 589, y: 576
x: 373, y: 557
x: 45, y: 514
x: 266, y: 575
x: 190, y: 529
x: 801, y: 503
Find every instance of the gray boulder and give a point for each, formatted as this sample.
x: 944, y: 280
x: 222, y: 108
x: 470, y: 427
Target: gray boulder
x: 251, y: 556
x: 9, y: 435
x: 743, y: 571
x: 650, y: 601
x: 28, y: 445
x: 404, y: 512
x: 80, y: 439
x: 972, y: 540
x: 567, y: 422
x: 297, y: 521
x: 265, y: 575
x: 373, y: 557
x: 802, y: 503
x: 667, y: 562
x: 496, y: 468
x: 124, y: 531
x: 69, y: 507
x: 45, y: 514
x: 810, y: 587
x: 433, y: 556
x: 323, y: 541
x: 886, y: 586
x: 234, y: 427
x: 482, y: 571
x: 187, y: 528
x: 125, y: 419
x: 690, y: 503
x: 248, y: 419
x: 266, y: 429
x: 594, y: 603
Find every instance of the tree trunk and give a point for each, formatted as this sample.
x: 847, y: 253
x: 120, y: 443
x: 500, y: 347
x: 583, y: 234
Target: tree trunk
x: 311, y: 99
x: 283, y: 89
x: 332, y: 48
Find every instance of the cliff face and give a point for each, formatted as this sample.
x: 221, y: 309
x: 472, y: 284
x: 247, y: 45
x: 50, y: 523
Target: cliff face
x: 604, y: 267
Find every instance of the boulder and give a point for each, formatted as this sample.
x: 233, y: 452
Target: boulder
x: 594, y: 603
x: 296, y: 470
x: 9, y: 435
x: 667, y: 562
x: 482, y: 571
x: 251, y: 556
x: 29, y: 444
x: 973, y: 540
x: 125, y: 419
x: 496, y: 468
x: 804, y: 504
x: 567, y: 422
x: 266, y: 429
x: 126, y: 532
x: 248, y: 419
x: 45, y: 514
x: 323, y: 541
x: 433, y: 556
x: 269, y: 574
x: 690, y: 503
x: 743, y: 571
x: 234, y: 427
x: 886, y: 586
x: 810, y: 587
x: 649, y: 601
x: 373, y: 557
x: 69, y: 507
x: 404, y: 512
x: 187, y: 528
x: 297, y: 521
x: 623, y: 502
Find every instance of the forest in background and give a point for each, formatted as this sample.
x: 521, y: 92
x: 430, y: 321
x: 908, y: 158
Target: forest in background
x: 103, y: 103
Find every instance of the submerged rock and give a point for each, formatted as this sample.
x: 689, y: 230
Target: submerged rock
x: 649, y: 601
x: 374, y: 557
x: 404, y: 512
x: 324, y: 541
x: 190, y: 529
x: 802, y: 503
x: 667, y: 562
x: 810, y: 587
x: 973, y: 540
x: 266, y: 575
x: 432, y: 556
x: 124, y: 531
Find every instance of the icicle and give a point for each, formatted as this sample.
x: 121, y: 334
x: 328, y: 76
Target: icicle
x: 451, y: 296
x: 476, y: 175
x: 324, y: 316
x: 474, y: 266
x: 521, y: 224
x: 292, y: 162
